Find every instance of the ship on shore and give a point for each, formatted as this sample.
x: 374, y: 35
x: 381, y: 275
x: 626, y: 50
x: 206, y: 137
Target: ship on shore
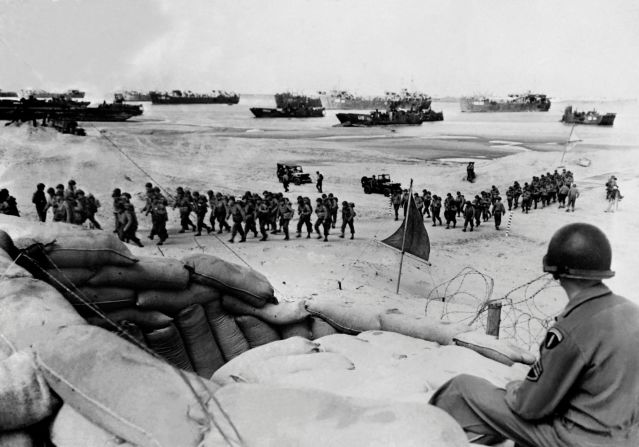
x: 396, y: 113
x: 132, y: 96
x: 344, y: 100
x: 31, y: 108
x: 291, y: 106
x: 591, y: 117
x: 43, y: 94
x: 8, y: 94
x: 188, y: 97
x: 526, y: 102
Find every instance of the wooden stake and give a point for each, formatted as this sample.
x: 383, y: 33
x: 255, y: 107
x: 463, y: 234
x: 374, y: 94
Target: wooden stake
x: 401, y: 260
x: 494, y: 319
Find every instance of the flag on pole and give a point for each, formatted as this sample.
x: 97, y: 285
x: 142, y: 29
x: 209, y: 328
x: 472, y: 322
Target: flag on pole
x: 411, y: 237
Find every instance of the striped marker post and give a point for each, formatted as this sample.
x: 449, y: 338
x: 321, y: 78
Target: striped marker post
x: 510, y: 221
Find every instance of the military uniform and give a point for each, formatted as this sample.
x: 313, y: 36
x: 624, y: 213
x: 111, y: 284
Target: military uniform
x: 583, y: 390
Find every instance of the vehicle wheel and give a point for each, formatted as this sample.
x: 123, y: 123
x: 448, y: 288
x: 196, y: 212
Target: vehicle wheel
x: 367, y: 190
x: 386, y: 192
x: 297, y: 181
x: 364, y: 180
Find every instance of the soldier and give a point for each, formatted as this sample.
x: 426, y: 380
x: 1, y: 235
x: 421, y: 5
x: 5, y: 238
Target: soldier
x: 396, y: 200
x: 320, y: 180
x: 348, y: 216
x: 39, y: 199
x: 91, y: 209
x: 320, y: 212
x: 419, y: 203
x: 286, y: 214
x: 212, y: 205
x: 221, y: 213
x: 130, y: 225
x: 498, y: 211
x: 573, y: 193
x: 285, y: 180
x: 263, y: 215
x: 251, y: 214
x: 477, y: 206
x: 510, y: 193
x: 274, y: 213
x: 405, y: 196
x: 238, y: 215
x: 304, y: 211
x: 8, y: 204
x: 459, y: 202
x: 184, y: 205
x: 494, y: 193
x: 582, y: 391
x: 536, y: 194
x: 613, y: 200
x: 333, y: 204
x: 450, y: 210
x: 562, y: 194
x: 469, y: 214
x: 79, y: 208
x: 201, y: 208
x: 427, y: 197
x: 148, y: 198
x: 485, y: 205
x: 526, y: 198
x: 159, y: 218
x: 327, y: 219
x: 543, y: 191
x: 50, y: 200
x: 517, y: 193
x: 435, y: 208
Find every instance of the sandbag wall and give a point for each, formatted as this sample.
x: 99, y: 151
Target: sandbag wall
x: 201, y: 311
x: 197, y: 313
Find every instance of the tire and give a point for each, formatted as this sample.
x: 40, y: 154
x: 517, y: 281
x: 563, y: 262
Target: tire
x: 386, y: 192
x: 367, y: 190
x: 364, y: 180
x: 297, y: 181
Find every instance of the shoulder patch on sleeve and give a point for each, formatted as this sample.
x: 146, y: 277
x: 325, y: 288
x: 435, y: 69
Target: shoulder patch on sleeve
x: 534, y: 373
x: 553, y: 338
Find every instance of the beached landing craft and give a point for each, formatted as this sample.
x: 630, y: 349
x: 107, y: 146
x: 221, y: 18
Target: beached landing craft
x: 345, y: 100
x: 32, y: 108
x: 188, y: 97
x: 591, y: 117
x: 526, y: 102
x: 291, y: 106
x: 38, y: 93
x: 7, y: 94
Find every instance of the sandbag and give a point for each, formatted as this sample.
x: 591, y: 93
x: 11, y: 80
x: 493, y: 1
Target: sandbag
x: 200, y: 344
x: 285, y: 312
x: 9, y: 269
x: 168, y: 344
x: 420, y: 326
x: 123, y: 389
x: 171, y: 301
x: 31, y: 310
x: 264, y: 370
x: 89, y: 249
x: 70, y: 429
x: 147, y: 273
x: 290, y: 346
x: 345, y: 317
x: 68, y: 278
x: 7, y: 245
x: 256, y: 331
x: 18, y: 438
x: 320, y: 328
x: 105, y: 298
x: 237, y: 280
x: 147, y: 320
x: 315, y: 418
x: 498, y: 350
x: 229, y: 337
x: 299, y: 329
x: 24, y: 394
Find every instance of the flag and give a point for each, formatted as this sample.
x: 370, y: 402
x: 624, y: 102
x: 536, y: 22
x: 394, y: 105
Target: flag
x: 411, y: 235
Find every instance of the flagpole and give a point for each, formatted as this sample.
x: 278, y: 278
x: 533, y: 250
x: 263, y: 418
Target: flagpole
x: 401, y: 260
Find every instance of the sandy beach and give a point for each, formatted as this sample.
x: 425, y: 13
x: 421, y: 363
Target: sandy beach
x: 232, y: 160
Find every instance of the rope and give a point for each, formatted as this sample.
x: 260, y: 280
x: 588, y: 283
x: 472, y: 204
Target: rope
x: 124, y: 334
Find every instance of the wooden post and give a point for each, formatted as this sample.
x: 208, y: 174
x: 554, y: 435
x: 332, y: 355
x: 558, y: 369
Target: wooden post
x: 494, y: 319
x: 401, y: 260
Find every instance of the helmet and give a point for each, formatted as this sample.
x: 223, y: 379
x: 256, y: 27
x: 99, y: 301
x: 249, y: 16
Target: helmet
x: 579, y: 251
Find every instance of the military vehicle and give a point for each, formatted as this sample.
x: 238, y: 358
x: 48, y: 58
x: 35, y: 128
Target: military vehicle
x: 295, y: 173
x: 380, y: 184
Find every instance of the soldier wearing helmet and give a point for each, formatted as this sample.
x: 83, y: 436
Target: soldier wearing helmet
x: 583, y: 388
x: 348, y: 216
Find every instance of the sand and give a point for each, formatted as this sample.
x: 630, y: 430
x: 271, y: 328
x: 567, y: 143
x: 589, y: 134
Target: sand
x: 365, y: 269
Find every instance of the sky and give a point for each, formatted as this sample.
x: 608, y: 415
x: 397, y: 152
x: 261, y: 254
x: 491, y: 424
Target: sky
x: 564, y: 48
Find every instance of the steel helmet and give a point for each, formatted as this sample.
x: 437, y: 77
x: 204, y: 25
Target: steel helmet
x: 579, y: 251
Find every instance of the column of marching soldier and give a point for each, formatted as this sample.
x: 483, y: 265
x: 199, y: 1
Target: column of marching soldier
x: 542, y: 190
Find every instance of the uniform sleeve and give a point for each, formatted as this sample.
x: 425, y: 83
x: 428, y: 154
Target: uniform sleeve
x: 549, y: 380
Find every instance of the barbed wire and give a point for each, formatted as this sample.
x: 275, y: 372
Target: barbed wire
x: 526, y: 311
